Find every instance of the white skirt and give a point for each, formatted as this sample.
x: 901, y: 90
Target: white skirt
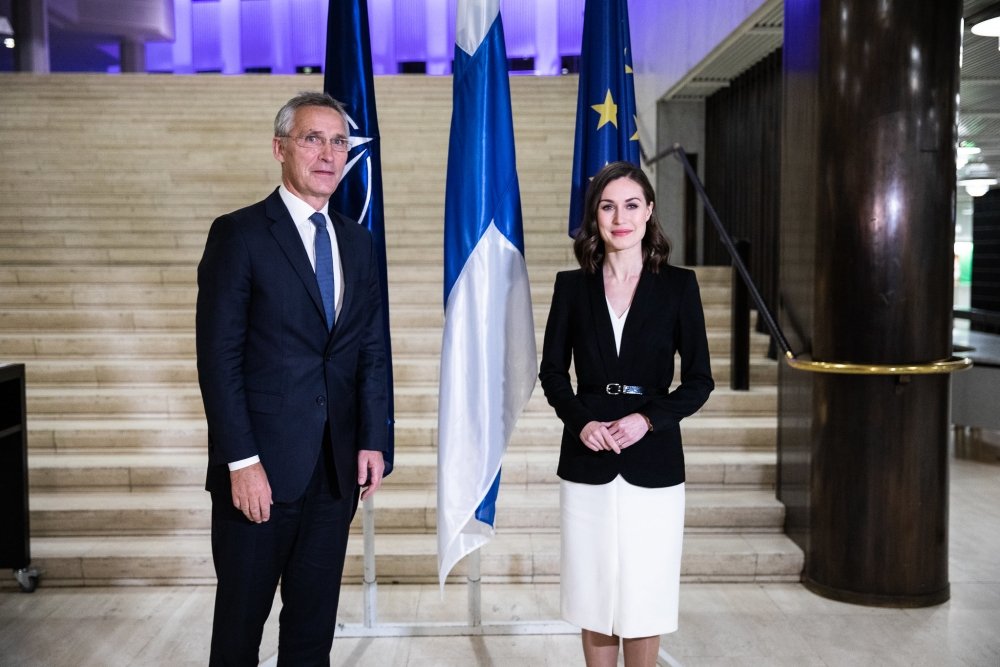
x: 621, y: 557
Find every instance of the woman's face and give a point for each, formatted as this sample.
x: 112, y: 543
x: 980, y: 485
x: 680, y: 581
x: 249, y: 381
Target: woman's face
x: 622, y: 213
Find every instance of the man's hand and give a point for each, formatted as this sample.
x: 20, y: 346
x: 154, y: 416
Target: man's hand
x: 251, y: 492
x: 371, y: 466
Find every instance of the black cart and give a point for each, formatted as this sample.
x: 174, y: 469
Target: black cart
x: 15, y: 542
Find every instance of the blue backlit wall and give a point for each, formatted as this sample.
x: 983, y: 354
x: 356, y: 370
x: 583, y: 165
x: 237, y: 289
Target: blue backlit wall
x: 284, y: 36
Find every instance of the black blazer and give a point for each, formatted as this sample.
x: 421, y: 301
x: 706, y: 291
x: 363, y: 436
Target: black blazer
x: 666, y: 317
x: 272, y: 376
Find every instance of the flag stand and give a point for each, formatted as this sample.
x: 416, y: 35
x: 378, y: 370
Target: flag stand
x: 473, y: 627
x: 371, y: 628
x: 370, y: 590
x: 474, y: 579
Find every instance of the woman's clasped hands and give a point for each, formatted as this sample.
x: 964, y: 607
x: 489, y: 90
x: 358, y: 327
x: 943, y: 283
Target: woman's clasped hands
x: 614, y: 436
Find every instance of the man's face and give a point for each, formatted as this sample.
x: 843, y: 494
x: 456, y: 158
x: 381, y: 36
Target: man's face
x: 312, y: 172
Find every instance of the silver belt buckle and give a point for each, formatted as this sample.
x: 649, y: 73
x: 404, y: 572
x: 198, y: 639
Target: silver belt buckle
x: 613, y: 389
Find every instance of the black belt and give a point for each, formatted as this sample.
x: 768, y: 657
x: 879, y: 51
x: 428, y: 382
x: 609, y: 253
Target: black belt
x: 617, y: 389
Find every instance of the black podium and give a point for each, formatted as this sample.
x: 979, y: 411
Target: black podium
x: 15, y: 544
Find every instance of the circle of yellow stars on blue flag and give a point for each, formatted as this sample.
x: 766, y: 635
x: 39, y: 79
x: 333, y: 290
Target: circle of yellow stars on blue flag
x: 608, y: 110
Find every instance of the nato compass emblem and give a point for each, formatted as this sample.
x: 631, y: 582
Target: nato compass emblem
x: 357, y: 141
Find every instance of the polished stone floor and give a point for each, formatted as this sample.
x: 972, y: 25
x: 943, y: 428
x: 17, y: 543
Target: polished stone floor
x: 721, y: 624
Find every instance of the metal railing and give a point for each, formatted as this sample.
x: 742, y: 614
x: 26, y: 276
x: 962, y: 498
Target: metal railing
x: 948, y: 365
x: 979, y: 316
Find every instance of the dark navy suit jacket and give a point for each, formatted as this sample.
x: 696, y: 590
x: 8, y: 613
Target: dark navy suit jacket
x: 665, y: 318
x: 272, y: 376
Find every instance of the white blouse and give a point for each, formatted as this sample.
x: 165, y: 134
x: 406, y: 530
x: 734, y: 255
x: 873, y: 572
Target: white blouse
x: 617, y: 324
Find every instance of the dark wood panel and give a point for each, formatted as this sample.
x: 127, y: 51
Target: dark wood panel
x: 985, y: 291
x: 743, y: 168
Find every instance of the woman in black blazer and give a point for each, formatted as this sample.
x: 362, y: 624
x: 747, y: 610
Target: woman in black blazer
x: 620, y: 319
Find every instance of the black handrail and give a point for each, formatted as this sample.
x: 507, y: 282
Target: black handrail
x: 949, y: 365
x: 739, y: 315
x: 763, y: 311
x: 978, y: 316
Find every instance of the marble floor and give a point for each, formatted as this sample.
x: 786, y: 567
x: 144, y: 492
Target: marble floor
x: 721, y: 624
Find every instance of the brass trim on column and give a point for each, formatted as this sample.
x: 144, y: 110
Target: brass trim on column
x: 950, y: 365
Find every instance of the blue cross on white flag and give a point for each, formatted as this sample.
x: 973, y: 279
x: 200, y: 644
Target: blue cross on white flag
x: 488, y: 361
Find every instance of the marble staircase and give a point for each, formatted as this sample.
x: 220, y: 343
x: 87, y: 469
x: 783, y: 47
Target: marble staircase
x: 109, y: 185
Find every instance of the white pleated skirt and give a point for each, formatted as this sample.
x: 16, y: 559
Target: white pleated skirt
x: 621, y: 557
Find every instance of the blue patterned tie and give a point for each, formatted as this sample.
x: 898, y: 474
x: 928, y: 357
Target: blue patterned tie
x: 324, y: 266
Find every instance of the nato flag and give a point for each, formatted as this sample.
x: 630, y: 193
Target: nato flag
x: 348, y: 78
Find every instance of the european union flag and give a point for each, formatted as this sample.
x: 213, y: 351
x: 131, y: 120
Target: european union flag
x: 348, y: 78
x: 606, y: 127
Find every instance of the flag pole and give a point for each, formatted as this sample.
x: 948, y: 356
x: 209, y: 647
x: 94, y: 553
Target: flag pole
x: 370, y: 590
x: 606, y: 115
x: 475, y: 591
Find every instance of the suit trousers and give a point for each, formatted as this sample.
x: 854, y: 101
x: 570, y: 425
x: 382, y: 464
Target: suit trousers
x: 303, y: 545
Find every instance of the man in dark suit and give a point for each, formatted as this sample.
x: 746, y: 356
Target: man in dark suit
x: 291, y: 363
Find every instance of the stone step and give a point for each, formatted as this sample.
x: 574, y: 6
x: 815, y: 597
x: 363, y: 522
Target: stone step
x: 61, y: 277
x: 68, y: 224
x: 398, y: 510
x: 421, y: 369
x: 209, y: 152
x: 110, y: 246
x: 404, y: 314
x: 421, y: 253
x: 88, y: 298
x: 156, y: 345
x: 509, y: 557
x: 101, y: 434
x: 185, y: 401
x: 75, y: 221
x: 107, y: 372
x: 143, y: 207
x: 128, y: 255
x: 116, y: 225
x: 207, y: 156
x: 402, y: 275
x: 111, y: 321
x: 126, y: 469
x: 137, y: 297
x: 137, y: 249
x: 185, y: 275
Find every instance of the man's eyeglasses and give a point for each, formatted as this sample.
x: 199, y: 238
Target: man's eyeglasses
x: 317, y: 142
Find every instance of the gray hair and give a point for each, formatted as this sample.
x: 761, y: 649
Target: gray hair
x: 286, y: 115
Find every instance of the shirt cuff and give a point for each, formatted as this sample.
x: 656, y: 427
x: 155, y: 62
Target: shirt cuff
x: 243, y: 463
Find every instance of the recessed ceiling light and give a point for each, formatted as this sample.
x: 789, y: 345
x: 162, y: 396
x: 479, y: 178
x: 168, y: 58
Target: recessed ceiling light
x: 988, y: 28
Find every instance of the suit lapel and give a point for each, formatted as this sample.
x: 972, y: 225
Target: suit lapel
x: 284, y: 232
x: 602, y: 323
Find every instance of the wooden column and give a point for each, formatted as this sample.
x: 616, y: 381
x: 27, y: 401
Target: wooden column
x: 868, y: 181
